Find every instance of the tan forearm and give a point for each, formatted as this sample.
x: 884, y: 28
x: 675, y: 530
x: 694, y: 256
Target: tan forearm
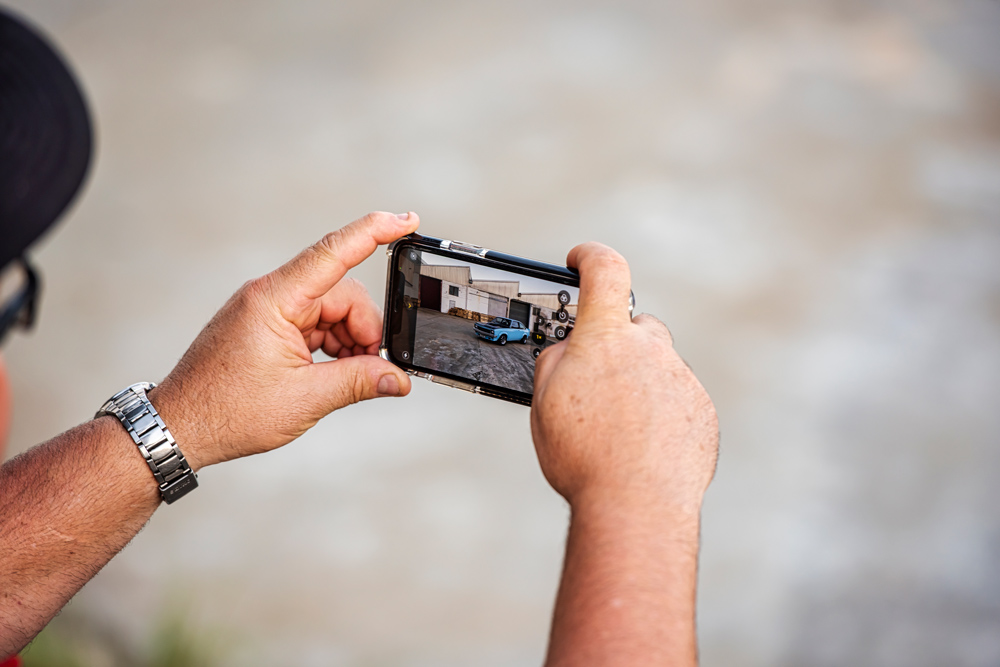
x: 627, y: 595
x: 66, y: 508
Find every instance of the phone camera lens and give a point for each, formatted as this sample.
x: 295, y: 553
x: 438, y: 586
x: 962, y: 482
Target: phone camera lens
x: 405, y: 355
x: 413, y: 256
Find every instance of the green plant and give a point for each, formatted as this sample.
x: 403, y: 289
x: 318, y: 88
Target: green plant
x: 51, y: 648
x: 73, y: 639
x: 178, y: 643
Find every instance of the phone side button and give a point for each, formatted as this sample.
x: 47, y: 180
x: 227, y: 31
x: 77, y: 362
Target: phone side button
x: 448, y: 382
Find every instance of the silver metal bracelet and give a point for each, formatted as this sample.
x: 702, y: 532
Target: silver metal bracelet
x: 154, y: 440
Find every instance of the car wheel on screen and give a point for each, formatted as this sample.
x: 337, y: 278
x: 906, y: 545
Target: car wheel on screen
x: 564, y: 297
x: 525, y: 339
x: 503, y: 339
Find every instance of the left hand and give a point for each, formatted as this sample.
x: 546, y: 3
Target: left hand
x: 248, y: 383
x: 618, y: 419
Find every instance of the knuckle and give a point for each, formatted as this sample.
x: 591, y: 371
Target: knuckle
x: 602, y: 253
x: 246, y: 288
x: 358, y: 387
x: 609, y: 258
x: 664, y: 331
x: 256, y: 288
x: 330, y: 243
x: 371, y: 219
x: 655, y: 325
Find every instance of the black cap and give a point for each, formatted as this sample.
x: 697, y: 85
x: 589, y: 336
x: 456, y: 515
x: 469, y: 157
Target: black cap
x: 45, y: 136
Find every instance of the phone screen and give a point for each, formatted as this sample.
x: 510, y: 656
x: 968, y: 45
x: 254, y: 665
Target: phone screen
x: 478, y: 323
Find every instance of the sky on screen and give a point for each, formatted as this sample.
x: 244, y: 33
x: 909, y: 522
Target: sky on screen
x: 528, y: 285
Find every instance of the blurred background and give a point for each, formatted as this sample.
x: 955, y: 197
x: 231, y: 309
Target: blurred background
x: 808, y: 194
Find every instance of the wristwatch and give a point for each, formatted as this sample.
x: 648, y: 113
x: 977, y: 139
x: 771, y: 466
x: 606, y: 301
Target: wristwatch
x: 154, y: 440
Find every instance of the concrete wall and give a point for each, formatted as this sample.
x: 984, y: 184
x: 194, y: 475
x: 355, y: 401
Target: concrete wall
x: 505, y: 288
x: 473, y: 299
x: 498, y: 305
x: 449, y: 300
x: 454, y: 274
x: 461, y: 275
x: 478, y: 301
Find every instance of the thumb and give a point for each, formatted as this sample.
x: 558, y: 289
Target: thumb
x: 344, y: 381
x: 546, y: 364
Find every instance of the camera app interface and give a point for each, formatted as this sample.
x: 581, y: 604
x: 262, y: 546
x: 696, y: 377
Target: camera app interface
x: 482, y: 323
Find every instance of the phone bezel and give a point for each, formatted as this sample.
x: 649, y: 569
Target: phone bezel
x: 474, y: 255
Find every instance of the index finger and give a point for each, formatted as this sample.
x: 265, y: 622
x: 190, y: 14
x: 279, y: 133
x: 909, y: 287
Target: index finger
x: 605, y: 282
x: 315, y: 270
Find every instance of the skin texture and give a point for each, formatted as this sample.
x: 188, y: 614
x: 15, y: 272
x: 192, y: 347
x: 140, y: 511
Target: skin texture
x: 629, y: 437
x: 622, y: 428
x: 246, y: 385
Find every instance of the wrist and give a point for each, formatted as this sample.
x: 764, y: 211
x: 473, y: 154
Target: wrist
x: 185, y: 426
x: 621, y: 510
x: 107, y: 441
x: 629, y: 582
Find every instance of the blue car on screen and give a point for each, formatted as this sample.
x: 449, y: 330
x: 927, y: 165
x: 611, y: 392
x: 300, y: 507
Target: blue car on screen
x: 501, y: 330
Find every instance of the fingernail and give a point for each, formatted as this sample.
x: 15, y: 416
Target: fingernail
x: 388, y: 385
x: 403, y: 216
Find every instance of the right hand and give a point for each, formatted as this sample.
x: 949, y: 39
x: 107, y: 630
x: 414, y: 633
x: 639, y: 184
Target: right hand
x: 248, y: 383
x: 618, y: 417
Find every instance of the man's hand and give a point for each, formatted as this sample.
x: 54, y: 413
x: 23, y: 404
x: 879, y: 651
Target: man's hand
x: 618, y: 416
x: 626, y: 433
x: 248, y: 383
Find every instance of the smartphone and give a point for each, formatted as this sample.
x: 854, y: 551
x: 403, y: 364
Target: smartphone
x: 472, y: 318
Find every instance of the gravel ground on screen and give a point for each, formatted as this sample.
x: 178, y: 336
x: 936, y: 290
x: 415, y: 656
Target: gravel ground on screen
x: 449, y: 344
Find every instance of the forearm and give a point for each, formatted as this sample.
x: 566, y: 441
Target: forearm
x: 246, y: 385
x: 627, y: 595
x: 66, y: 508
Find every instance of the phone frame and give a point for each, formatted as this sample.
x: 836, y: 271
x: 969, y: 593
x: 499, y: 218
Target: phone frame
x: 474, y: 255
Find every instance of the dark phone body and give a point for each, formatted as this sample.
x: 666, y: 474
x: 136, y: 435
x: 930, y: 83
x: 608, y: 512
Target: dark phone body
x: 487, y: 348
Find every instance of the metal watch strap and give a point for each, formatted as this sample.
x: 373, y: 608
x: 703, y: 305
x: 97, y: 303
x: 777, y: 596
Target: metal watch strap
x: 154, y: 440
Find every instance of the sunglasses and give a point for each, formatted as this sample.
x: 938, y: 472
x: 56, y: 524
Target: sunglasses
x: 20, y: 289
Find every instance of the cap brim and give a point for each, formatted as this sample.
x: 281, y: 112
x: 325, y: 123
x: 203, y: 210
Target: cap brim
x: 45, y: 136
